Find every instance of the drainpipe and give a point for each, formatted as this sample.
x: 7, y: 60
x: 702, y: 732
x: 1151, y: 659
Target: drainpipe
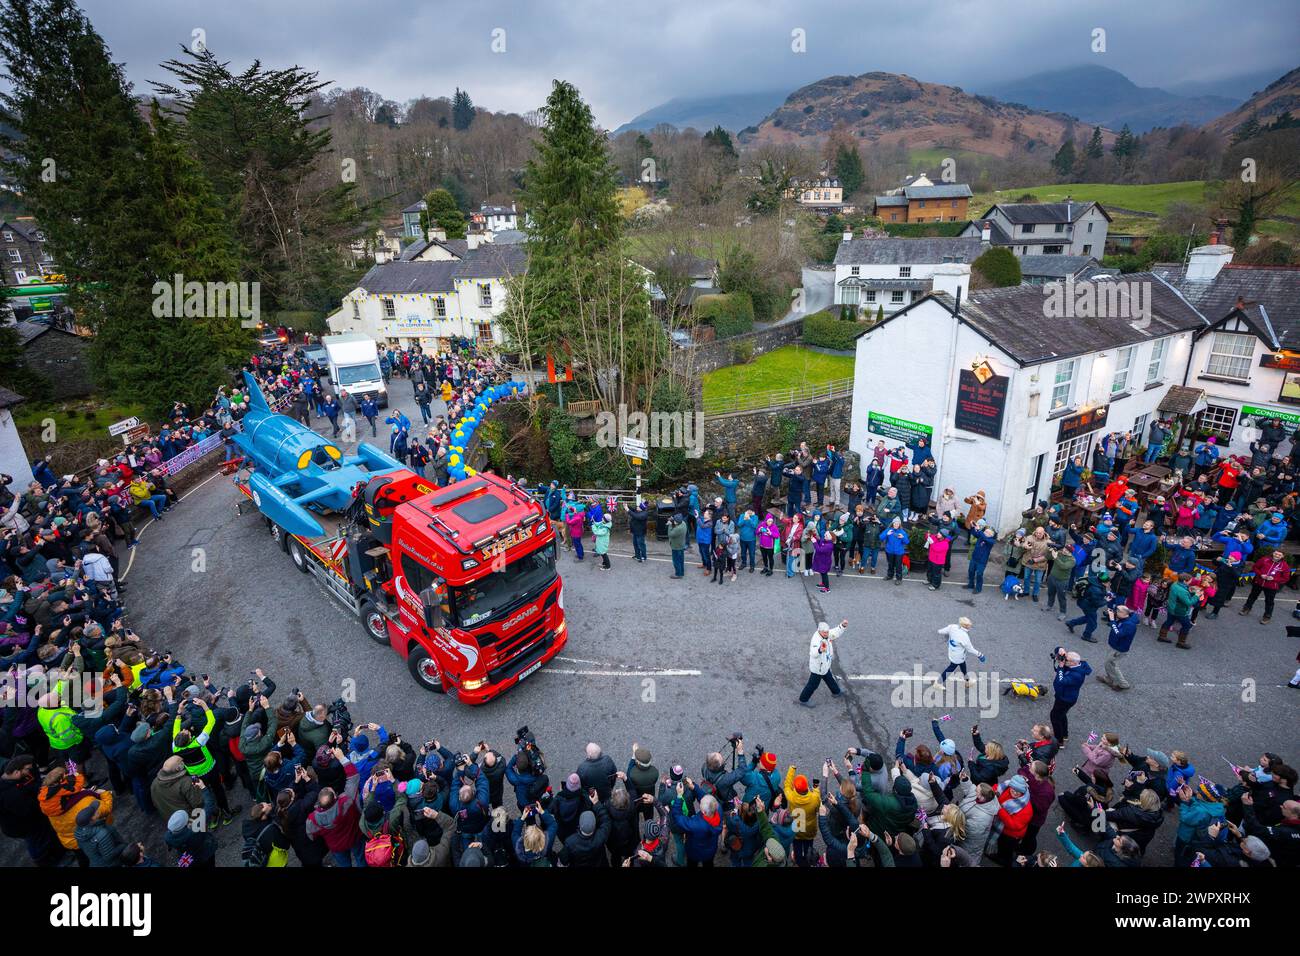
x: 947, y: 390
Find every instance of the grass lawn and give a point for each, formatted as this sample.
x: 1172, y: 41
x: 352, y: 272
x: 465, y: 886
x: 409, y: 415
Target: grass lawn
x: 77, y: 418
x: 782, y: 368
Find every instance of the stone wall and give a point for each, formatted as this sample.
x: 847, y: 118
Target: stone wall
x: 61, y: 359
x: 747, y: 436
x: 709, y: 356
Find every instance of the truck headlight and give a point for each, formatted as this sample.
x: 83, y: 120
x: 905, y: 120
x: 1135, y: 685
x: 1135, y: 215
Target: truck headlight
x: 473, y: 684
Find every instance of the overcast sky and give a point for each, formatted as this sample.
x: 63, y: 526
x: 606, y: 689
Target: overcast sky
x: 628, y: 55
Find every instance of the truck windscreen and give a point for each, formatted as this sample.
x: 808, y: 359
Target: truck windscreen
x: 352, y: 374
x: 475, y: 603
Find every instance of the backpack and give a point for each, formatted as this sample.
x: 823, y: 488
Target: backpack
x: 537, y: 789
x: 252, y: 854
x: 384, y: 849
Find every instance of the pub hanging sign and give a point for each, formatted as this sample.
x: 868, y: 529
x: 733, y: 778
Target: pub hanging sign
x: 1072, y: 426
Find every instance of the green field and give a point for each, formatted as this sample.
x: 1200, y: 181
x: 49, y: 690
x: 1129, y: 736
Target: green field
x: 785, y: 367
x: 76, y: 419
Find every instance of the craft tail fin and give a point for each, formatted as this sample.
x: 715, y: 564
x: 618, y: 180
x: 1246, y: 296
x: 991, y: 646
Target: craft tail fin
x: 256, y: 400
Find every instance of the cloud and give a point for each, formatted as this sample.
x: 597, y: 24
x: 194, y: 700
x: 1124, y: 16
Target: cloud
x: 628, y: 55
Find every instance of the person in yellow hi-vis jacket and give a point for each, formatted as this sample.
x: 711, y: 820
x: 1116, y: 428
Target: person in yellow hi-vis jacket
x: 192, y: 748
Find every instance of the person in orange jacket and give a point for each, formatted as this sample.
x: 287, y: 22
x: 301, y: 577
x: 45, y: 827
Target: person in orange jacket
x: 63, y: 796
x: 1015, y: 812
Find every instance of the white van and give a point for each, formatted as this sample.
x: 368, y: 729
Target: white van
x: 354, y: 366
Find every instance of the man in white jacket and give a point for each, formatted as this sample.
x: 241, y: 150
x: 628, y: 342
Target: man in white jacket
x: 959, y: 646
x: 821, y: 651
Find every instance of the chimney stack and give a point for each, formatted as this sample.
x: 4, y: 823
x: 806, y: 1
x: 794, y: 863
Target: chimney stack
x: 986, y: 233
x: 848, y: 234
x: 1204, y: 262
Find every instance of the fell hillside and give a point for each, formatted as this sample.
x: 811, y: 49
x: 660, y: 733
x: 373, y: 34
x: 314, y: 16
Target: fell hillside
x: 890, y: 108
x: 1278, y: 97
x: 1100, y: 95
x: 730, y: 111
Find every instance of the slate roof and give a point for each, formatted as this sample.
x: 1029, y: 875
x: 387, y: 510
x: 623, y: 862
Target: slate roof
x: 1044, y: 212
x: 27, y: 228
x: 407, y: 278
x: 997, y: 235
x: 28, y: 330
x: 1270, y: 295
x: 510, y: 237
x: 493, y: 262
x: 1182, y: 400
x: 497, y: 211
x: 1013, y: 319
x: 420, y: 206
x: 1054, y: 266
x: 891, y: 200
x: 902, y: 252
x: 9, y: 398
x: 946, y: 191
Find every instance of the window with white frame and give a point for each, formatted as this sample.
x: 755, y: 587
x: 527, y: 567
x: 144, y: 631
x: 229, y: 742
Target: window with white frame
x: 905, y: 272
x: 1026, y: 229
x: 896, y: 297
x: 20, y: 275
x: 440, y: 307
x: 390, y: 309
x: 1156, y: 364
x: 485, y: 295
x: 485, y: 333
x: 1217, y: 420
x: 356, y: 311
x: 850, y: 295
x: 9, y: 236
x: 855, y: 270
x: 1063, y: 382
x: 1066, y: 450
x: 871, y: 295
x: 1140, y: 427
x: 1123, y: 365
x: 1230, y: 355
x: 15, y: 255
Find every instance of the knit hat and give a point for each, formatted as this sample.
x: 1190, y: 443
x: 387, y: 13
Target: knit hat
x: 420, y: 852
x: 573, y: 783
x: 374, y: 812
x: 775, y: 850
x: 140, y: 734
x: 473, y: 857
x: 875, y: 762
x: 87, y: 814
x: 414, y: 787
x: 652, y: 830
x: 948, y: 746
x: 641, y: 756
x: 676, y: 772
x: 901, y: 787
x: 767, y: 761
x: 360, y: 743
x: 1019, y: 784
x: 323, y: 757
x: 905, y: 844
x: 587, y: 823
x: 1252, y: 846
x: 252, y: 731
x: 178, y: 821
x: 801, y: 784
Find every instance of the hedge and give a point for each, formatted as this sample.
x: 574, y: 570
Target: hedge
x: 827, y: 330
x: 729, y: 314
x: 920, y: 230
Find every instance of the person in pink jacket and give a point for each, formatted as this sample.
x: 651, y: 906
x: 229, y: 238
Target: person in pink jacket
x: 1100, y: 756
x: 769, y: 533
x: 1137, y: 599
x: 937, y: 545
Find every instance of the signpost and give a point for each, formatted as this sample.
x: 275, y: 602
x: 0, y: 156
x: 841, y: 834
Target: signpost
x: 124, y: 425
x: 638, y: 450
x: 137, y: 434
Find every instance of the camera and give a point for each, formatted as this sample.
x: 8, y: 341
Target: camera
x: 340, y: 718
x: 734, y: 739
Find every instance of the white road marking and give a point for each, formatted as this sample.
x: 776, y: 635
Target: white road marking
x: 654, y: 673
x: 140, y: 534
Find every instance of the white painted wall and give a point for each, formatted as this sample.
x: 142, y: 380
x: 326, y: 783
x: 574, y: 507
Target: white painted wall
x: 1261, y: 391
x: 13, y: 458
x: 415, y: 318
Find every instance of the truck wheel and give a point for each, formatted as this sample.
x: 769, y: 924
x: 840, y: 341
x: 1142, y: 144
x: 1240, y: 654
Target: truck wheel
x: 298, y: 555
x: 424, y: 668
x: 374, y: 623
x: 278, y: 535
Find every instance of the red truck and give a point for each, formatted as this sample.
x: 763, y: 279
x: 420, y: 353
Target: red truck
x: 460, y: 581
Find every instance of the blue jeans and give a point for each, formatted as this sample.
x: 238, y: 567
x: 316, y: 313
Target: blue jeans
x: 705, y: 556
x: 746, y: 552
x: 638, y: 546
x: 1087, y: 618
x: 577, y: 546
x: 679, y: 563
x: 975, y: 575
x: 353, y: 857
x: 1033, y: 580
x: 1153, y: 452
x: 789, y: 562
x: 869, y: 557
x: 154, y: 503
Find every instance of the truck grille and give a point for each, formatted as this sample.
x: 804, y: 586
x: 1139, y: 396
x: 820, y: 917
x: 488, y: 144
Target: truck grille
x: 532, y: 654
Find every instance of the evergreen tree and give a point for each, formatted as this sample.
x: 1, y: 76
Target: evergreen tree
x: 570, y: 189
x: 462, y: 110
x: 1247, y: 130
x: 848, y: 169
x: 272, y: 167
x: 443, y: 213
x: 1094, y: 149
x: 1125, y: 148
x: 997, y: 268
x: 1063, y: 161
x: 92, y: 178
x: 717, y: 137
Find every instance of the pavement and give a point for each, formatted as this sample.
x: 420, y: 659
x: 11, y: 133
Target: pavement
x: 679, y: 665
